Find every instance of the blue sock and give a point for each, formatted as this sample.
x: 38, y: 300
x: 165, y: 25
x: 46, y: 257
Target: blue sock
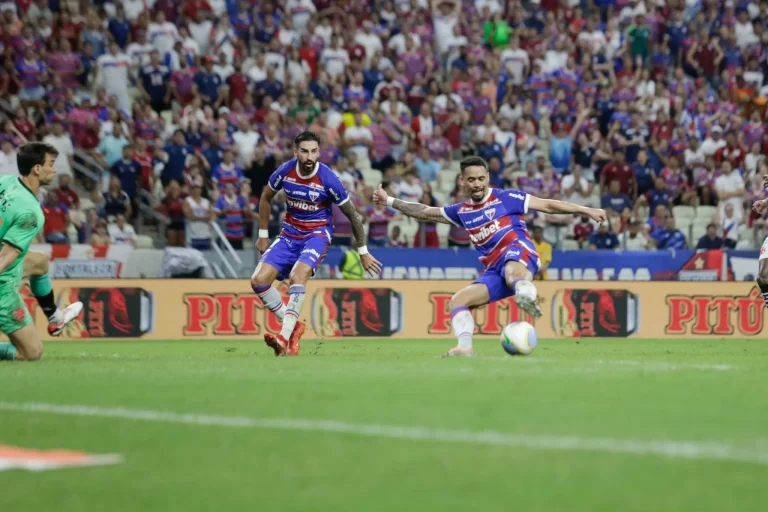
x: 7, y: 352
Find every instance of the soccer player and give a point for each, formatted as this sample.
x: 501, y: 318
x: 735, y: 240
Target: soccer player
x: 493, y: 219
x: 761, y: 207
x: 310, y: 189
x: 22, y: 219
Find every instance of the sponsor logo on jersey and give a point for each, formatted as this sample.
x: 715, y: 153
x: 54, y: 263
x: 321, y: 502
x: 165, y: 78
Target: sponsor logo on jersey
x: 314, y: 194
x: 297, y: 193
x: 489, y: 213
x: 485, y: 233
x: 517, y: 196
x: 277, y: 181
x: 334, y: 194
x: 302, y: 205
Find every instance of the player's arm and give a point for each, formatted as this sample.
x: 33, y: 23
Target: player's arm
x: 348, y: 209
x: 417, y: 211
x: 553, y: 206
x: 265, y: 210
x: 8, y: 255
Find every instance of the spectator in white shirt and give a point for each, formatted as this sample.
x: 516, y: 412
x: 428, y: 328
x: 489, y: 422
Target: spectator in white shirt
x: 162, y: 34
x: 121, y: 232
x: 576, y: 188
x: 730, y: 222
x: 200, y: 30
x: 113, y: 68
x: 693, y: 155
x: 358, y: 138
x: 245, y: 139
x: 335, y: 59
x: 714, y: 142
x: 301, y: 12
x: 61, y: 140
x: 366, y: 38
x: 8, y: 164
x: 730, y: 189
x: 516, y: 60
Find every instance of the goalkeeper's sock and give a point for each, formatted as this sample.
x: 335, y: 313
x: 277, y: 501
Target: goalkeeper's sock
x: 42, y: 289
x: 764, y: 292
x: 296, y: 295
x: 271, y: 299
x: 463, y: 326
x: 7, y: 352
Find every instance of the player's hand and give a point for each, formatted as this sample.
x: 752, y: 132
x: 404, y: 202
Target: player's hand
x: 760, y: 207
x: 262, y: 244
x: 380, y: 196
x: 598, y: 215
x: 371, y: 265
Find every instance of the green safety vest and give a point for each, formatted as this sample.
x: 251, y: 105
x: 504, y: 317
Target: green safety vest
x: 353, y: 266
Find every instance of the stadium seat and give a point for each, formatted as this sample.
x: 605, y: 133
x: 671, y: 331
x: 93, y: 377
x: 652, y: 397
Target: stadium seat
x: 570, y: 245
x: 706, y: 212
x: 409, y: 229
x: 144, y: 242
x: 683, y: 223
x: 683, y: 212
x: 447, y: 180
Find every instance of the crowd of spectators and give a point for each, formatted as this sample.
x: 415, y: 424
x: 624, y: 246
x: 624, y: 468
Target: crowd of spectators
x: 648, y: 109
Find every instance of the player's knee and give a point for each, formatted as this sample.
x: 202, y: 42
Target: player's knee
x: 259, y: 279
x: 458, y: 301
x: 32, y: 353
x: 762, y: 277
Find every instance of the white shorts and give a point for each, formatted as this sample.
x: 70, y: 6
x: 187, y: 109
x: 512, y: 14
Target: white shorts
x: 763, y: 250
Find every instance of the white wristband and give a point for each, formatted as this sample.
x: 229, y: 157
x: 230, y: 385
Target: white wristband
x: 390, y: 201
x: 263, y: 233
x: 362, y: 250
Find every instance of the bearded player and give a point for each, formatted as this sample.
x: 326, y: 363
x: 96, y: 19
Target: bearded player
x: 494, y: 220
x: 761, y: 207
x: 21, y: 220
x: 310, y: 188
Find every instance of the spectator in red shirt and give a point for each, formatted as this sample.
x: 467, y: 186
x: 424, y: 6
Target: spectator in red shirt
x: 192, y: 7
x: 65, y: 195
x: 620, y: 171
x: 56, y: 220
x: 733, y: 151
x: 24, y: 125
x: 582, y: 230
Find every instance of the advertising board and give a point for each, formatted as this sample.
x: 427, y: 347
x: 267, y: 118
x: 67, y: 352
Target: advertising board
x: 224, y: 309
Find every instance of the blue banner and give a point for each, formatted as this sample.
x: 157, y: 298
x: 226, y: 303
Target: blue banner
x: 462, y: 264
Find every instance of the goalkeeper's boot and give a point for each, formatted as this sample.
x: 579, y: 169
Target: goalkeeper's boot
x: 276, y: 343
x: 293, y: 341
x: 62, y: 317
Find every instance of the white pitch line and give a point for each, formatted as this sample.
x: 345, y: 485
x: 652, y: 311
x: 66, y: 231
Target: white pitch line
x: 673, y: 449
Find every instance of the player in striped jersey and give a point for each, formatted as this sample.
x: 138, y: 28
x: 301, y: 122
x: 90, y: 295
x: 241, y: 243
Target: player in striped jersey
x: 310, y: 189
x: 761, y: 208
x: 494, y: 220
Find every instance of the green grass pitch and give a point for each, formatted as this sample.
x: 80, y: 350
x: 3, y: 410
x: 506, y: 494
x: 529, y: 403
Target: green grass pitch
x: 389, y: 425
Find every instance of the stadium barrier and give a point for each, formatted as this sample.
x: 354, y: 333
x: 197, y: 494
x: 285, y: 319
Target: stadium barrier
x: 153, y: 309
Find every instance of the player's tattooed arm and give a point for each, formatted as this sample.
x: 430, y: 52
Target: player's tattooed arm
x: 420, y: 211
x: 356, y: 220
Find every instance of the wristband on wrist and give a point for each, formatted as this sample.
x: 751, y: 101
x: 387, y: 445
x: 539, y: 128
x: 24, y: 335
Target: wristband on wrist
x: 362, y: 250
x: 390, y: 200
x: 263, y: 233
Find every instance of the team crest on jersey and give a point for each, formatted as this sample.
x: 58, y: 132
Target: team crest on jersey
x: 490, y: 213
x: 313, y: 195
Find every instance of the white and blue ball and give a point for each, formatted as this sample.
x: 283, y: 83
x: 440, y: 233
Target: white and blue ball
x: 519, y: 339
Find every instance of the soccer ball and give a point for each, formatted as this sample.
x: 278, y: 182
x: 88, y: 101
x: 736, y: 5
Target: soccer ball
x: 519, y: 339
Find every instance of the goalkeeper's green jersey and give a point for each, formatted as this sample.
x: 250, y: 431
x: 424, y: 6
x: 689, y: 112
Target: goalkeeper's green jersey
x: 21, y: 219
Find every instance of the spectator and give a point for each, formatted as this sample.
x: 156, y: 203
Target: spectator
x: 8, y: 163
x: 636, y: 239
x: 410, y: 188
x: 603, y: 238
x: 379, y: 218
x: 111, y: 147
x: 100, y: 236
x: 208, y: 85
x: 616, y: 201
x: 426, y: 236
x: 61, y: 140
x: 669, y: 237
x: 116, y: 201
x: 710, y: 240
x: 120, y: 232
x: 545, y: 252
x: 714, y: 142
x: 730, y: 190
x: 199, y: 214
x: 358, y: 138
x: 575, y: 188
x: 396, y: 240
x: 175, y: 155
x: 227, y: 172
x: 56, y: 220
x: 619, y: 170
x: 154, y: 83
x: 233, y: 209
x: 427, y: 167
x: 730, y: 224
x: 113, y: 68
x: 129, y: 173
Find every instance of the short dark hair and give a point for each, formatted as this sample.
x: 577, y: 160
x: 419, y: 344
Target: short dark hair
x: 473, y: 161
x: 306, y: 137
x: 32, y: 154
x: 712, y: 225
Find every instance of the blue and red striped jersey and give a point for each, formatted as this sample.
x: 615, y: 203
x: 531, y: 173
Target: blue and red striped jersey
x: 308, y: 198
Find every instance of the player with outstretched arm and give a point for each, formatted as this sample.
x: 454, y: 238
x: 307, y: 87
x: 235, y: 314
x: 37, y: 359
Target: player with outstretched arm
x: 310, y: 188
x: 493, y: 219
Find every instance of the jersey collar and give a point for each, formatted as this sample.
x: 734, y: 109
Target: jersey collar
x: 26, y: 187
